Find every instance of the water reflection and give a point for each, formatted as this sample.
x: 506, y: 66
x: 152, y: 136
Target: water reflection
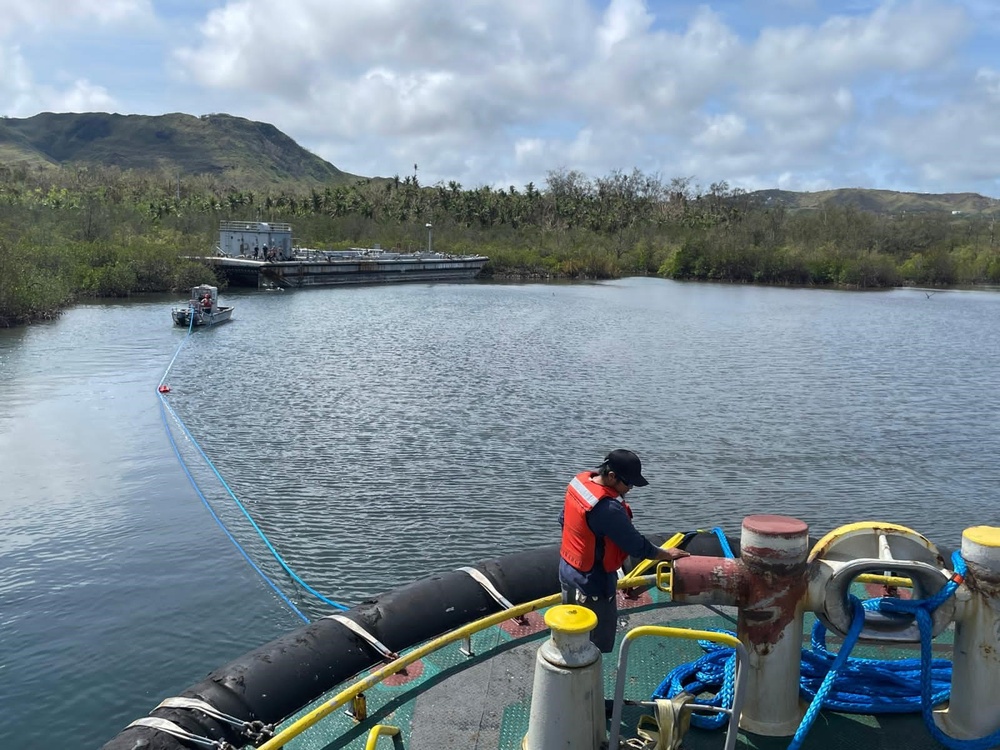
x: 379, y: 433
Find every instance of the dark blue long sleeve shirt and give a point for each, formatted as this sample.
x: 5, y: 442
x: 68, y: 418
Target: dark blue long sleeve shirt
x: 606, y: 519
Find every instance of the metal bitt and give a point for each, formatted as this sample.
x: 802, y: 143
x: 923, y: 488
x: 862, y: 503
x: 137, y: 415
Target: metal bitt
x: 873, y: 548
x: 768, y: 585
x: 567, y: 700
x: 975, y: 676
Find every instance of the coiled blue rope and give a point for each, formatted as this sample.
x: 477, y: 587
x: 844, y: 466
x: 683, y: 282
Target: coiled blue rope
x: 922, y: 609
x: 871, y: 686
x: 715, y: 672
x: 840, y: 682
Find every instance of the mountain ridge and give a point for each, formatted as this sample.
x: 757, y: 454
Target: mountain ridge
x: 881, y: 201
x: 249, y: 152
x: 176, y: 143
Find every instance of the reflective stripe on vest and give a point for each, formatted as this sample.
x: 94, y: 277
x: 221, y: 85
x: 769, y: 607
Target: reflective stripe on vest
x: 579, y: 543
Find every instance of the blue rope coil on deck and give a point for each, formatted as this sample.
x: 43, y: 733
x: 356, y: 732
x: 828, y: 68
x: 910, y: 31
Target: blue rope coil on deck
x: 715, y: 672
x: 839, y: 681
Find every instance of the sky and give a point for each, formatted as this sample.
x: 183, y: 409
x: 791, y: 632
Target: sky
x: 799, y: 95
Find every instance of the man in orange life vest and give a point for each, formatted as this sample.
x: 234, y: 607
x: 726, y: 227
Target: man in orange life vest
x: 598, y: 536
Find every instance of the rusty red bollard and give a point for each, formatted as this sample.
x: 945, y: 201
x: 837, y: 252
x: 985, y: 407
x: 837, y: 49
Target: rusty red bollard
x: 768, y: 585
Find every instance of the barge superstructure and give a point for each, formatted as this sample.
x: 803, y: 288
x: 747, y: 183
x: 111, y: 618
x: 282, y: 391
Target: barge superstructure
x: 264, y: 254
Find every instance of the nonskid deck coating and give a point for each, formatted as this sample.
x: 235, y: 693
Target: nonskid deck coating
x: 449, y: 701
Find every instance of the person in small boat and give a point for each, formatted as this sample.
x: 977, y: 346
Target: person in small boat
x: 206, y: 302
x: 598, y: 536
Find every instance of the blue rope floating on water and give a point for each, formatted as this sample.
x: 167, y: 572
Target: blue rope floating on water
x: 164, y: 407
x: 204, y: 500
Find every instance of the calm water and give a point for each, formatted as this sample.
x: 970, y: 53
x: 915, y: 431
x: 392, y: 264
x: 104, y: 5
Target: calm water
x: 380, y: 433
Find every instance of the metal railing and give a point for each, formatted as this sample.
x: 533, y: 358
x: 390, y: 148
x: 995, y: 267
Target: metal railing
x: 668, y: 632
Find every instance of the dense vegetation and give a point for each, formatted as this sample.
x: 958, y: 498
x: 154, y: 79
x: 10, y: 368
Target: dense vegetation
x: 72, y: 232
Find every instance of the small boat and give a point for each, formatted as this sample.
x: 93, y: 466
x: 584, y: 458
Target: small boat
x: 203, y: 309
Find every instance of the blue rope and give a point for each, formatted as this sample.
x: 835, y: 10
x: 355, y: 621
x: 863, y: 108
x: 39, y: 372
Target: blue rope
x: 857, y: 624
x: 246, y: 513
x: 839, y: 681
x: 715, y: 672
x: 204, y: 500
x: 922, y: 609
x: 190, y: 326
x: 253, y: 523
x: 721, y: 536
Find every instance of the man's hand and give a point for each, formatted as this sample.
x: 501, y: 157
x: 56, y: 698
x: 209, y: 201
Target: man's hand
x: 671, y: 553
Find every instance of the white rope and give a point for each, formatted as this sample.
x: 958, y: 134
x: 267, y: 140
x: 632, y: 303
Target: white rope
x: 368, y: 637
x: 206, y: 708
x: 162, y: 725
x: 485, y: 582
x: 257, y: 731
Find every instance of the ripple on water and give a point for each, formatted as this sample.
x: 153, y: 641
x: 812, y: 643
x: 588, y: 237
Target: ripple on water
x: 378, y: 434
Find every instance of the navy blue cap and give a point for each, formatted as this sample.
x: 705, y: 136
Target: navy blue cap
x: 626, y: 466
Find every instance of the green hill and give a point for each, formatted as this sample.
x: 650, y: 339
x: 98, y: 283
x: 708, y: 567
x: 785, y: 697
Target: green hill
x: 881, y: 201
x: 218, y: 144
x: 257, y: 154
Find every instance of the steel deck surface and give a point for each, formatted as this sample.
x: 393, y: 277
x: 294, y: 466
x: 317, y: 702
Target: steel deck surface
x: 451, y: 701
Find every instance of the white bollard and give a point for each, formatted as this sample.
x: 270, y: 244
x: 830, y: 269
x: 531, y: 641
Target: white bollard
x: 567, y: 700
x: 774, y: 550
x: 974, y: 710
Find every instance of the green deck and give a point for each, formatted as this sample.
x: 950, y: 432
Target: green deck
x: 449, y: 701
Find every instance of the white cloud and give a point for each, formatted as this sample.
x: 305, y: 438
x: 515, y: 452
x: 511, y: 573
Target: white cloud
x: 38, y: 14
x: 43, y: 23
x: 15, y: 82
x: 493, y: 91
x: 989, y: 80
x: 895, y: 38
x: 25, y: 97
x: 529, y: 152
x: 721, y: 131
x: 82, y: 96
x: 623, y: 20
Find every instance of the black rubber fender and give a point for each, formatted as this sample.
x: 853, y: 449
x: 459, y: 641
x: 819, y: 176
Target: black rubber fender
x: 277, y: 679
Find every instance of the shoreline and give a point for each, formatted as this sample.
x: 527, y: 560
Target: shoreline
x: 536, y: 277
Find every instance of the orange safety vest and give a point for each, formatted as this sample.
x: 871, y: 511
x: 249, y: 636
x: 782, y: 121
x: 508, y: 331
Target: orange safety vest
x: 579, y: 543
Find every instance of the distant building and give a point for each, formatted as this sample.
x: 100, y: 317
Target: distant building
x: 234, y: 235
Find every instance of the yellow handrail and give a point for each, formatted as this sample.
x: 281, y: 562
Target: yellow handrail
x: 645, y: 565
x: 380, y: 730
x: 726, y: 639
x: 300, y: 725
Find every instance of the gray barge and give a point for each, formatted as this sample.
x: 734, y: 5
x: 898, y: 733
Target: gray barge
x: 263, y: 254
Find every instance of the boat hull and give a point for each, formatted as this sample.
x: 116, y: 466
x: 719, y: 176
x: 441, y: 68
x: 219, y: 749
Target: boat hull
x: 297, y: 274
x: 182, y: 316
